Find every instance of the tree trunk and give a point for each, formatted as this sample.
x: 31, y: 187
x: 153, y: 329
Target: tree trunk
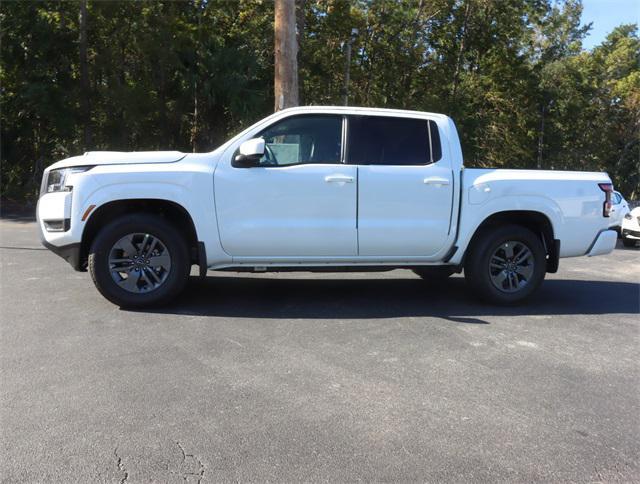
x: 84, y: 77
x: 195, y: 128
x: 347, y: 70
x: 541, y: 138
x: 458, y: 67
x: 300, y: 26
x: 286, y: 55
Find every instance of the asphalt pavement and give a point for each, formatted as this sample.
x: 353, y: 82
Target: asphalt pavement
x: 318, y: 377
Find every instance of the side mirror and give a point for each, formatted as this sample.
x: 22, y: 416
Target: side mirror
x: 249, y: 153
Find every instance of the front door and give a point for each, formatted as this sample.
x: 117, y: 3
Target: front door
x: 405, y: 186
x: 301, y: 200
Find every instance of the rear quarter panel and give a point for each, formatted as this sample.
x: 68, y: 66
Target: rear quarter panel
x: 572, y: 201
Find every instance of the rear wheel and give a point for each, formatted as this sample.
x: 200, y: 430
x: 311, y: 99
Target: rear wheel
x: 505, y: 265
x: 139, y: 260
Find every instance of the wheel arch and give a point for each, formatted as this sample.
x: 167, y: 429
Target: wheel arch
x: 538, y: 222
x: 173, y: 212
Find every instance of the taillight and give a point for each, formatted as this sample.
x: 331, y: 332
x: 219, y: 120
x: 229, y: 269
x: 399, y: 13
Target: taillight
x: 607, y: 188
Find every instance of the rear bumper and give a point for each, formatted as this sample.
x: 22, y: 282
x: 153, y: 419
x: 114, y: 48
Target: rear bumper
x: 631, y: 234
x: 605, y: 242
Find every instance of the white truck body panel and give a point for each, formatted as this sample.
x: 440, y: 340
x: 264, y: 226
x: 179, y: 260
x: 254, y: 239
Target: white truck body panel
x: 572, y: 201
x: 120, y: 158
x: 296, y: 211
x: 405, y: 210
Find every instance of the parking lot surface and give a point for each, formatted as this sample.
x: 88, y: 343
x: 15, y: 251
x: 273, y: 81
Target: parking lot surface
x: 337, y: 377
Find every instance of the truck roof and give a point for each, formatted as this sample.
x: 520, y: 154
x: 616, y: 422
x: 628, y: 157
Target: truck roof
x: 361, y: 110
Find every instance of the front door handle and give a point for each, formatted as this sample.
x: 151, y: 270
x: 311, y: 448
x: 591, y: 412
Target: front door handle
x: 436, y: 180
x: 338, y: 179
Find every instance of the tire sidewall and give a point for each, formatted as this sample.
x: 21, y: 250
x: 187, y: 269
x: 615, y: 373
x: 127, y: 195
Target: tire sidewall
x: 139, y: 223
x: 478, y: 266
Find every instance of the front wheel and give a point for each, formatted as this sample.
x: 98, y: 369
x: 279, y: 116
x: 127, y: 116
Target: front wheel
x: 629, y: 242
x: 505, y: 265
x: 139, y: 260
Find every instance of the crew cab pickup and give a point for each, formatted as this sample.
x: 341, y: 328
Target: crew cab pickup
x: 318, y: 189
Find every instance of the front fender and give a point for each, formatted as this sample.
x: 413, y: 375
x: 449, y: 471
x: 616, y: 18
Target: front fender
x: 192, y: 195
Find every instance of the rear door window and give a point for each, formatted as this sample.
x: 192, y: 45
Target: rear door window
x: 385, y: 140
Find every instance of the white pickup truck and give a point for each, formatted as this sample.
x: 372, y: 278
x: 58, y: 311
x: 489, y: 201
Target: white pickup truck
x: 317, y: 189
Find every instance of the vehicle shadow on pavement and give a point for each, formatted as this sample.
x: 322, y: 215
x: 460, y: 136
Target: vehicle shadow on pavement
x: 323, y: 298
x: 20, y: 219
x: 11, y: 211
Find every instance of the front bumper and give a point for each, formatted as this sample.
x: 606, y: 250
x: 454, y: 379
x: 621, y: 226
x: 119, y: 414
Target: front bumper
x: 604, y: 244
x: 69, y: 252
x: 65, y: 243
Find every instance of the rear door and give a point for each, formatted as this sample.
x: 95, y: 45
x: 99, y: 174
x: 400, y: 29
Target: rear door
x: 405, y: 185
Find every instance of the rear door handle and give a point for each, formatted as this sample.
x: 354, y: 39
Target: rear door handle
x: 436, y: 180
x: 338, y: 179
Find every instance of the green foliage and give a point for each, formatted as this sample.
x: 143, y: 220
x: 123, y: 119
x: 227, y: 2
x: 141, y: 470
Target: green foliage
x: 186, y: 75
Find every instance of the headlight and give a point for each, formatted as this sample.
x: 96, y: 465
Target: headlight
x: 628, y: 216
x: 56, y: 181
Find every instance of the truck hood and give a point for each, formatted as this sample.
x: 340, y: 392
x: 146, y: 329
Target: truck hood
x: 119, y: 158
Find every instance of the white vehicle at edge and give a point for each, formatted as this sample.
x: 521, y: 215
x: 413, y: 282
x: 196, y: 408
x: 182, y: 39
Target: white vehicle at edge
x: 619, y: 209
x: 631, y: 228
x: 315, y: 188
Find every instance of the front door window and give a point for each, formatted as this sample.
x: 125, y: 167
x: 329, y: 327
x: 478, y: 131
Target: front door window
x: 303, y: 140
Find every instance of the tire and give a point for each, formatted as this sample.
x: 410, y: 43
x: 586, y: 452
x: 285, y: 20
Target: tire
x: 435, y: 274
x: 159, y: 272
x: 511, y: 281
x: 629, y: 242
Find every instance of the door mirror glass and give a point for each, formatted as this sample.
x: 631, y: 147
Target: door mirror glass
x: 249, y: 153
